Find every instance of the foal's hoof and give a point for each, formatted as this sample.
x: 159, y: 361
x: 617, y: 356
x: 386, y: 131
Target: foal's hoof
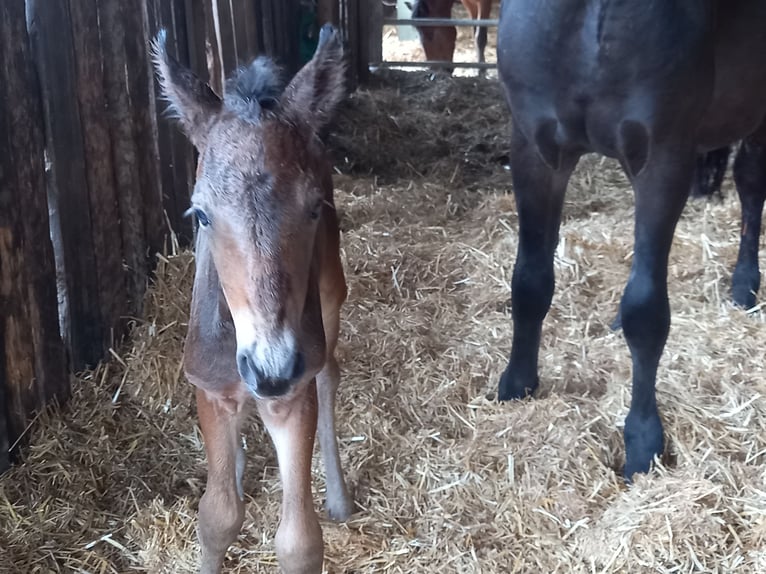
x: 514, y: 387
x: 341, y: 509
x: 643, y: 441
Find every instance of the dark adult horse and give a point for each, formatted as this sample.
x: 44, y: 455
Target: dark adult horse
x: 652, y: 84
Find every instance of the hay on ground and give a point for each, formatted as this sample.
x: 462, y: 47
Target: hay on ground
x: 445, y: 478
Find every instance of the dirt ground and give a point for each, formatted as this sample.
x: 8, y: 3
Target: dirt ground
x: 445, y: 478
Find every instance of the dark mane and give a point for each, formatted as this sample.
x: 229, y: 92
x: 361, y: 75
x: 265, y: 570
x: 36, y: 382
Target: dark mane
x: 254, y: 88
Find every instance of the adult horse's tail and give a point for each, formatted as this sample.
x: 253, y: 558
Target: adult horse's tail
x: 710, y: 171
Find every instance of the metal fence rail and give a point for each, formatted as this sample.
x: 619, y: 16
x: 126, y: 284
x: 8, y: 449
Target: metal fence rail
x: 436, y: 64
x: 436, y: 22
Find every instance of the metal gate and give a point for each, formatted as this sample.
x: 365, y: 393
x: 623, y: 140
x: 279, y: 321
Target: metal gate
x: 429, y: 22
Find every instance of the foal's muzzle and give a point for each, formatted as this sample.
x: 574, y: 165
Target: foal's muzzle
x: 271, y: 374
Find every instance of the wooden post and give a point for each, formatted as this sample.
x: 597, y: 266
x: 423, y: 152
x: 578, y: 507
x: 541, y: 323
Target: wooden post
x: 50, y: 29
x: 328, y: 11
x: 212, y: 46
x: 125, y: 155
x: 370, y: 41
x: 32, y: 356
x: 246, y: 29
x: 280, y: 30
x: 226, y: 37
x: 196, y: 31
x: 143, y: 115
x: 356, y: 47
x: 102, y: 192
x: 176, y: 155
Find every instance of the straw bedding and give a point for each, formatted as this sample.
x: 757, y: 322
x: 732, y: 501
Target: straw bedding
x: 445, y: 478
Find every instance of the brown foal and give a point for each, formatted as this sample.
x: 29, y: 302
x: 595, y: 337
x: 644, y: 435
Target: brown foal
x: 268, y: 289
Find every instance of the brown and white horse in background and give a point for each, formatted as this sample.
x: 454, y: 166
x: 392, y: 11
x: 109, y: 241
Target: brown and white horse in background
x: 268, y: 289
x: 439, y: 41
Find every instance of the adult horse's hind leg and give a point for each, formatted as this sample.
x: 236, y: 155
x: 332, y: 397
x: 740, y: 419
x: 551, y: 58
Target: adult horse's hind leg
x: 291, y: 422
x: 222, y: 508
x: 750, y: 177
x: 539, y: 192
x: 661, y: 189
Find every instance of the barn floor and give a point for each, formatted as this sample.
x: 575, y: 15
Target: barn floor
x: 445, y: 478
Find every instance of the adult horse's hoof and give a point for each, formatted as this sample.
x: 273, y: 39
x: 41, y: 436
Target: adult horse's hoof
x: 616, y: 325
x: 515, y: 387
x: 744, y: 286
x: 643, y: 440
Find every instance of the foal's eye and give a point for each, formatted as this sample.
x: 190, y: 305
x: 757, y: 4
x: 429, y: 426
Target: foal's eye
x: 316, y: 209
x: 202, y: 217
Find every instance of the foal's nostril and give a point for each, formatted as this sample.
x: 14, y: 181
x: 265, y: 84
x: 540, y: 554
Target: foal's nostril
x: 299, y: 366
x: 247, y: 369
x: 243, y: 365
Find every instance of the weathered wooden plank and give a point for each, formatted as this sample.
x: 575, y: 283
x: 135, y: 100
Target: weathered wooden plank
x: 125, y: 156
x: 161, y: 17
x: 226, y: 35
x: 32, y: 355
x: 260, y: 27
x: 281, y: 25
x: 358, y: 56
x: 143, y: 111
x: 196, y: 32
x: 369, y: 42
x: 375, y: 19
x: 214, y: 63
x: 51, y: 35
x: 176, y: 155
x: 246, y: 29
x: 5, y: 437
x: 328, y: 12
x: 240, y: 29
x: 102, y: 191
x: 184, y: 154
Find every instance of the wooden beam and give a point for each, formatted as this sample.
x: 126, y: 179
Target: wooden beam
x: 140, y: 78
x: 226, y: 36
x: 32, y: 356
x: 99, y: 167
x: 50, y: 29
x: 212, y: 47
x: 176, y: 155
x: 125, y: 155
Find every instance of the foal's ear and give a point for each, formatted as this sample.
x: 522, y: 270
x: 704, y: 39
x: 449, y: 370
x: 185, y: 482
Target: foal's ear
x: 317, y: 89
x: 191, y: 101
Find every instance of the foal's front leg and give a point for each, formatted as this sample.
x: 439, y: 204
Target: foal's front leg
x: 222, y: 508
x: 661, y: 190
x: 291, y: 422
x: 339, y: 503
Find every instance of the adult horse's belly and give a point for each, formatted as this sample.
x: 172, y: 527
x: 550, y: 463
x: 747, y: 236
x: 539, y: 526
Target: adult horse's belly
x: 738, y: 106
x: 591, y: 65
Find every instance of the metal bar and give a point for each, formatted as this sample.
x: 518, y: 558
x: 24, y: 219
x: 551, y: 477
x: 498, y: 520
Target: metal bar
x: 438, y: 22
x: 435, y: 64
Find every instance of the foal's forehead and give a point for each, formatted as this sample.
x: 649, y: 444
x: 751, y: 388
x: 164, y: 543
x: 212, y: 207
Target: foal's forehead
x: 263, y: 158
x: 269, y: 147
